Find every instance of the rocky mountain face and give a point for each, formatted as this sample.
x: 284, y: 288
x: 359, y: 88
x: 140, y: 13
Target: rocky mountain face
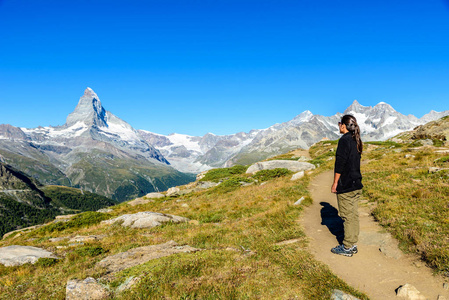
x: 196, y: 154
x: 25, y: 202
x: 94, y: 150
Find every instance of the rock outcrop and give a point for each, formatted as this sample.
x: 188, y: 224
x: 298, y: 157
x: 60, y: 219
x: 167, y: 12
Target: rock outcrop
x: 87, y: 289
x: 140, y: 255
x: 294, y: 166
x: 19, y: 255
x: 146, y: 219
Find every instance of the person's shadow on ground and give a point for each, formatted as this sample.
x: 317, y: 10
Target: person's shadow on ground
x: 331, y: 219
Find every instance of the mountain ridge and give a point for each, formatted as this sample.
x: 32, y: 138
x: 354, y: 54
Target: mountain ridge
x: 196, y: 153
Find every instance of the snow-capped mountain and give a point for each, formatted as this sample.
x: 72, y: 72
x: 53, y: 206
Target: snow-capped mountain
x: 196, y: 154
x: 94, y: 150
x: 99, y: 152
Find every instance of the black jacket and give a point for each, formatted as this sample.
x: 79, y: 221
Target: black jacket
x: 347, y: 163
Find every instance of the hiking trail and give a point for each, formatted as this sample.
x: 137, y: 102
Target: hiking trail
x: 379, y: 268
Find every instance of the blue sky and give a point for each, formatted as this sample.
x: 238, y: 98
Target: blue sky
x: 227, y: 66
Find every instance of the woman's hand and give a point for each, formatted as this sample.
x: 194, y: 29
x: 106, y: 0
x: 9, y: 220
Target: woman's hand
x: 334, y: 188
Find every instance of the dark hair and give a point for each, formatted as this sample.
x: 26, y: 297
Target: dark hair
x: 352, y: 126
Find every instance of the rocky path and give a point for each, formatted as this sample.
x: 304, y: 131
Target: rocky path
x: 380, y: 267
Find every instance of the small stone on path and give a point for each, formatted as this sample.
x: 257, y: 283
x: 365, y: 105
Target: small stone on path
x: 409, y: 292
x: 340, y: 295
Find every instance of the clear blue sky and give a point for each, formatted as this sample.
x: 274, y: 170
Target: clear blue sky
x: 220, y: 66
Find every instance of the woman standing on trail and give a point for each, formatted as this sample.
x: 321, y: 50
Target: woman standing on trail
x: 348, y: 183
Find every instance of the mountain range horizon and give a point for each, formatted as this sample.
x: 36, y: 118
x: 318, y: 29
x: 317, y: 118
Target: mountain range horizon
x: 97, y: 151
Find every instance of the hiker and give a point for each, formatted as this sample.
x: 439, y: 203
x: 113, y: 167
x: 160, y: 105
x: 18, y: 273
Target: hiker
x: 348, y: 183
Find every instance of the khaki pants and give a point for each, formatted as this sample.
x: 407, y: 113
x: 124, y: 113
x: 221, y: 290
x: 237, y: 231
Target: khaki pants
x: 348, y: 204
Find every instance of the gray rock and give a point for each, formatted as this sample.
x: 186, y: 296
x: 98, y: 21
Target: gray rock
x: 206, y: 184
x: 140, y: 255
x: 146, y: 219
x: 297, y: 176
x: 340, y: 295
x: 409, y: 292
x: 154, y: 195
x: 88, y: 238
x: 409, y: 156
x: 295, y: 166
x: 173, y: 191
x: 57, y: 239
x: 87, y: 289
x: 19, y: 255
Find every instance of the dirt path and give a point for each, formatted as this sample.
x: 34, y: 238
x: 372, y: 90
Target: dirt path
x: 380, y: 267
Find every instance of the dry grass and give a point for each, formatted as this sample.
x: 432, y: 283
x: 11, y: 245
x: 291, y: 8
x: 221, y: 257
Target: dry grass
x: 411, y: 201
x: 237, y: 231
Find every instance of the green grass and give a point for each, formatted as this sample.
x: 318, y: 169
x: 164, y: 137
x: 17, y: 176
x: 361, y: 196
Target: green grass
x: 220, y: 173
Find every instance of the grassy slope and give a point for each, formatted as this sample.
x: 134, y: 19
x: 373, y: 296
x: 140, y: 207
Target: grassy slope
x: 238, y: 230
x: 412, y: 202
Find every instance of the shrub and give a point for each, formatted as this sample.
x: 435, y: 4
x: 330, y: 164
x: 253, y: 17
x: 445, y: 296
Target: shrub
x: 46, y: 262
x: 90, y: 251
x: 265, y: 175
x: 220, y: 173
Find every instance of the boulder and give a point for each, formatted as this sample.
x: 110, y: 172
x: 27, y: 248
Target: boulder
x: 297, y: 176
x: 19, y: 255
x: 154, y: 195
x: 140, y: 255
x: 409, y: 292
x: 173, y: 191
x: 87, y: 289
x: 294, y: 166
x: 146, y: 219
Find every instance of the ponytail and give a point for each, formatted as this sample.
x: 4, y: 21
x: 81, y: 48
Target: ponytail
x: 352, y: 126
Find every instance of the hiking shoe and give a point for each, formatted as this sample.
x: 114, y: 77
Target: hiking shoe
x: 341, y: 250
x: 354, y: 249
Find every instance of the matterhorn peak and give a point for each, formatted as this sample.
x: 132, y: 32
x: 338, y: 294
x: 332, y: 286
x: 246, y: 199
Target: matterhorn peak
x: 89, y: 93
x: 88, y: 111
